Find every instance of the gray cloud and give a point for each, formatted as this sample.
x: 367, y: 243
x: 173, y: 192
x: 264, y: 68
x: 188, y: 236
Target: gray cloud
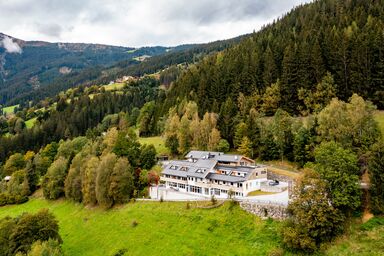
x: 10, y: 46
x: 137, y: 23
x: 51, y: 30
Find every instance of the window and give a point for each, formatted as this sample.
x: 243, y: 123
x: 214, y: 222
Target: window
x: 185, y: 169
x: 263, y: 172
x: 174, y: 167
x: 231, y: 183
x: 182, y: 186
x: 206, y: 191
x: 195, y: 189
x: 172, y: 184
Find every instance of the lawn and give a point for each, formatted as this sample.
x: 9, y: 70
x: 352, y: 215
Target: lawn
x: 115, y: 86
x: 363, y: 240
x: 10, y: 109
x: 31, y: 122
x: 379, y: 117
x: 167, y: 228
x: 157, y: 141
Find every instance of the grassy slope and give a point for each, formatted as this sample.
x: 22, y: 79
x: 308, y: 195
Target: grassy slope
x: 29, y: 123
x: 10, y: 109
x: 115, y: 86
x: 163, y: 229
x: 158, y: 142
x: 359, y: 242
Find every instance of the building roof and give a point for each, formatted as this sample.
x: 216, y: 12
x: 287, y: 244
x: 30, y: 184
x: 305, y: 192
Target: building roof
x: 219, y: 156
x: 229, y: 158
x: 185, y: 168
x: 204, y: 164
x: 227, y: 178
x: 202, y: 154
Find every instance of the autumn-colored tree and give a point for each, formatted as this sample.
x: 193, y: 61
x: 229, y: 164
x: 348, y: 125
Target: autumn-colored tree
x: 314, y: 219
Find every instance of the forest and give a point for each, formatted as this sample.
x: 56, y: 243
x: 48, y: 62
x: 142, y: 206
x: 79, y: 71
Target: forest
x: 297, y: 51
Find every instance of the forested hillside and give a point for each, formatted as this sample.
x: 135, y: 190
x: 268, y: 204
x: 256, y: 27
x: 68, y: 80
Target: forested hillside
x: 344, y: 38
x: 26, y: 74
x: 64, y: 66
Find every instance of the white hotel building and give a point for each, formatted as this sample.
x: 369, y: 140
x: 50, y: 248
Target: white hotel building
x: 214, y: 173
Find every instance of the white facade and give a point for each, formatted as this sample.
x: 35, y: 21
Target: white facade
x: 214, y: 174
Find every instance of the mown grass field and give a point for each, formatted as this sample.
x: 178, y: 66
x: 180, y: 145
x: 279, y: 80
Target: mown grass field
x: 379, y: 117
x: 30, y: 123
x: 9, y: 110
x: 115, y: 86
x: 157, y: 141
x: 163, y: 229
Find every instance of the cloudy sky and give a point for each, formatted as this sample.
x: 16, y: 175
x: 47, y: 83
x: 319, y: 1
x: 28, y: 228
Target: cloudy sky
x: 137, y: 22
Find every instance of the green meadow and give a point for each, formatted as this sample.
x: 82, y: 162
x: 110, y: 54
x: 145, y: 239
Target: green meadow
x: 154, y: 228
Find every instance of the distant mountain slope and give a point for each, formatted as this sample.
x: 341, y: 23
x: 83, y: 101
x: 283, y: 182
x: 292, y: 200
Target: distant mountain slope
x: 26, y: 66
x: 96, y: 74
x: 344, y: 38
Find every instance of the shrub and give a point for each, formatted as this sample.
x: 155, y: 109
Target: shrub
x: 50, y: 247
x: 213, y: 200
x: 134, y: 223
x: 17, y: 235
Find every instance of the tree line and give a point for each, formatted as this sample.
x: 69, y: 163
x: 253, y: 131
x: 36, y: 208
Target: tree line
x: 105, y: 170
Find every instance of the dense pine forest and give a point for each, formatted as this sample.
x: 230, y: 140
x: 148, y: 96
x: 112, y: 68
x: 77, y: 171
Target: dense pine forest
x: 341, y: 37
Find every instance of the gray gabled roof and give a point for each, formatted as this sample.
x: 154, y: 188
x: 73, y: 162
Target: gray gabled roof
x: 202, y: 154
x: 227, y: 178
x: 185, y: 168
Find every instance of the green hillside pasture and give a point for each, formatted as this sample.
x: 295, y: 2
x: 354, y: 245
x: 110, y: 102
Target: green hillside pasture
x: 362, y: 240
x: 115, y: 86
x: 158, y: 142
x: 31, y: 122
x: 379, y: 117
x: 154, y: 228
x: 9, y: 110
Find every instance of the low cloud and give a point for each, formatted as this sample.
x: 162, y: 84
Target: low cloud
x: 51, y: 30
x: 137, y: 23
x: 11, y: 46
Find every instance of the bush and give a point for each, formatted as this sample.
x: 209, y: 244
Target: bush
x: 18, y: 235
x: 276, y: 252
x: 7, y: 199
x: 213, y: 200
x: 120, y: 252
x: 134, y: 223
x: 50, y: 247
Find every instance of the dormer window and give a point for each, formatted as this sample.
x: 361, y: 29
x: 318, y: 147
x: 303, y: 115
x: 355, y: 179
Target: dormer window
x: 200, y: 170
x: 184, y: 169
x: 174, y: 167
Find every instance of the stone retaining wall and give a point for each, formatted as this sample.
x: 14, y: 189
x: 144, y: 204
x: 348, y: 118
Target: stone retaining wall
x: 265, y: 210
